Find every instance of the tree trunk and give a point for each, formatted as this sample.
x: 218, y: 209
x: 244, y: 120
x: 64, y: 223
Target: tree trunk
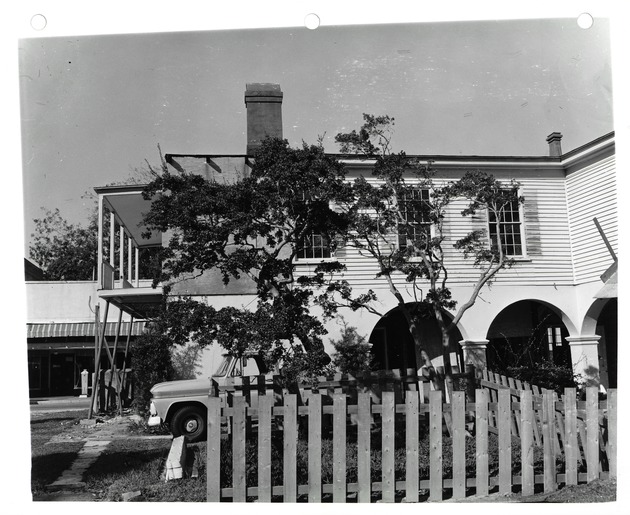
x: 422, y: 358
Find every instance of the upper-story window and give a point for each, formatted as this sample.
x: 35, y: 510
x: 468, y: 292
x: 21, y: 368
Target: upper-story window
x: 417, y: 228
x: 314, y: 246
x: 510, y: 229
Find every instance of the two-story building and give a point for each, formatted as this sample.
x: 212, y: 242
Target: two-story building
x: 564, y: 238
x: 62, y: 333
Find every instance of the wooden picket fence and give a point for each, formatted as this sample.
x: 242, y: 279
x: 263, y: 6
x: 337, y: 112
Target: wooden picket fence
x: 523, y: 420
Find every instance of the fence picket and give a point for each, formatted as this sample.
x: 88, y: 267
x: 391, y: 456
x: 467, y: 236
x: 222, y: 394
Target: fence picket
x: 314, y: 447
x: 571, y: 450
x: 435, y: 432
x: 481, y: 442
x: 459, y: 445
x: 265, y: 405
x: 364, y: 423
x: 611, y: 444
x: 388, y: 447
x: 412, y: 481
x: 505, y: 422
x: 239, y: 486
x: 566, y: 422
x: 213, y: 481
x: 592, y: 434
x: 339, y: 447
x: 558, y: 427
x: 549, y: 442
x: 535, y: 425
x: 527, y: 443
x: 289, y: 463
x: 514, y: 416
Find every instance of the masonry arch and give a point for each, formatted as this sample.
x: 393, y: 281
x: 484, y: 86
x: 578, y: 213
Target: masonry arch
x: 393, y: 346
x: 601, y: 319
x: 527, y: 332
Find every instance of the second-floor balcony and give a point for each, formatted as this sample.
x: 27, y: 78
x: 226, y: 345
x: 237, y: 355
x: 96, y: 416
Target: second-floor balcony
x: 124, y: 256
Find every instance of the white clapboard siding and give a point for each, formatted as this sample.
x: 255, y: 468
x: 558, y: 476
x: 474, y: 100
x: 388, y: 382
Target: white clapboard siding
x: 548, y: 260
x: 591, y: 193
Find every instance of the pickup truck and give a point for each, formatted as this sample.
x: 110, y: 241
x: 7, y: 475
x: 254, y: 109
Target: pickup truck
x: 183, y: 405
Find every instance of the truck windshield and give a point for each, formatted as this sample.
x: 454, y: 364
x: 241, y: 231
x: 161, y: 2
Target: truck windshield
x: 223, y: 367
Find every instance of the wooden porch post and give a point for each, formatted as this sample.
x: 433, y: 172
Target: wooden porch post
x: 97, y: 363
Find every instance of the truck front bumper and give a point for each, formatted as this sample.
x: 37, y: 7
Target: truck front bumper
x: 154, y: 418
x: 154, y: 421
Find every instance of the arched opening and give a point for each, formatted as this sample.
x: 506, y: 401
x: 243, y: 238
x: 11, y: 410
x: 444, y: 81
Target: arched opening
x: 393, y: 347
x: 525, y: 334
x: 607, y: 346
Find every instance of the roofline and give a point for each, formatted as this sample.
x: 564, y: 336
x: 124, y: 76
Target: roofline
x: 437, y: 157
x: 126, y: 188
x: 444, y: 159
x: 168, y: 157
x: 590, y: 144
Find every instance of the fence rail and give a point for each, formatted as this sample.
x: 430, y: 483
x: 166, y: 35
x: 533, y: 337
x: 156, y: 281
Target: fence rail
x: 341, y: 465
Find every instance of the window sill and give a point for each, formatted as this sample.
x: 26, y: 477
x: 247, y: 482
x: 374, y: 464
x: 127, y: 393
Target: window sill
x: 521, y: 259
x: 314, y: 261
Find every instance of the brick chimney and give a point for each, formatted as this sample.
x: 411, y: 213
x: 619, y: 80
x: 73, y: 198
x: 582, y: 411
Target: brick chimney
x: 555, y: 149
x: 264, y: 113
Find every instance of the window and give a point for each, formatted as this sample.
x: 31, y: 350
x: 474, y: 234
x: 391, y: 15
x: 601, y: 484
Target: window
x: 510, y: 229
x: 34, y: 373
x: 418, y: 227
x: 314, y: 246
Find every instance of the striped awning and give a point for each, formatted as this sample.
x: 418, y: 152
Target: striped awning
x: 80, y: 329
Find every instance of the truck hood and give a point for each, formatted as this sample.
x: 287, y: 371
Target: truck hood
x: 185, y: 388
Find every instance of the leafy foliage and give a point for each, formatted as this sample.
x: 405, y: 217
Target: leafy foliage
x: 256, y: 228
x: 352, y: 352
x: 396, y: 205
x: 253, y: 228
x: 152, y: 364
x: 185, y: 361
x: 546, y: 374
x: 64, y: 251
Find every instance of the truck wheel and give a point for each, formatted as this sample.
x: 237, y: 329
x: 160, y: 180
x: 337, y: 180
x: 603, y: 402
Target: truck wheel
x: 189, y: 421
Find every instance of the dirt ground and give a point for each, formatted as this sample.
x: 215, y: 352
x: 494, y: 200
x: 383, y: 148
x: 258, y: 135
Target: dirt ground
x: 100, y: 428
x: 601, y: 490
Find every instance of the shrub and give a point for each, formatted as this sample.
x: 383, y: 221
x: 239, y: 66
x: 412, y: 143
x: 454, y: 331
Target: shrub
x: 152, y: 363
x: 546, y: 374
x: 352, y: 352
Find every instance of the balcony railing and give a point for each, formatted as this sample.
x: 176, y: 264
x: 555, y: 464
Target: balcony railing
x: 120, y: 237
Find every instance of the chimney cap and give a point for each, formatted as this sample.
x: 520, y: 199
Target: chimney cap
x: 263, y: 92
x: 554, y: 136
x: 262, y: 86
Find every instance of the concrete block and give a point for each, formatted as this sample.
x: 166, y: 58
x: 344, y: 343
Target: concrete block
x: 132, y: 496
x: 176, y: 460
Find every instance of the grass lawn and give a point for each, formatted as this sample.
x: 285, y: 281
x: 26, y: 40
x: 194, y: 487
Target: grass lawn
x: 131, y: 464
x: 49, y: 460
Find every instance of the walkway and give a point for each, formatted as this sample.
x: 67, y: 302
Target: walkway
x: 96, y: 436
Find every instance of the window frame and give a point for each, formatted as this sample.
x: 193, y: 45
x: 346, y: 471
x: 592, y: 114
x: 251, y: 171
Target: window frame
x: 522, y: 232
x: 325, y: 247
x: 399, y: 244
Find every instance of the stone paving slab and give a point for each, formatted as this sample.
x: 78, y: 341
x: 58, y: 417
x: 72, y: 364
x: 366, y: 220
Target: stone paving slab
x: 73, y: 477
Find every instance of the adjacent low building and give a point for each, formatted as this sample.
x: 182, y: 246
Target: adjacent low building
x: 61, y: 334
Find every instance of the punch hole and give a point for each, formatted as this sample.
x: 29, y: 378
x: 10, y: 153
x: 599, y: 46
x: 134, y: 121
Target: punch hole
x: 585, y: 21
x: 39, y: 22
x: 311, y: 21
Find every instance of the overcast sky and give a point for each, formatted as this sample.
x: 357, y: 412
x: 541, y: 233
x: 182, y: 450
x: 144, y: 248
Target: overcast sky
x: 95, y: 107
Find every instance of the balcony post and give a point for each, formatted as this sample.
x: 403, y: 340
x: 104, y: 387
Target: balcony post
x: 129, y: 259
x: 121, y: 269
x: 112, y: 239
x: 99, y: 252
x: 137, y: 267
